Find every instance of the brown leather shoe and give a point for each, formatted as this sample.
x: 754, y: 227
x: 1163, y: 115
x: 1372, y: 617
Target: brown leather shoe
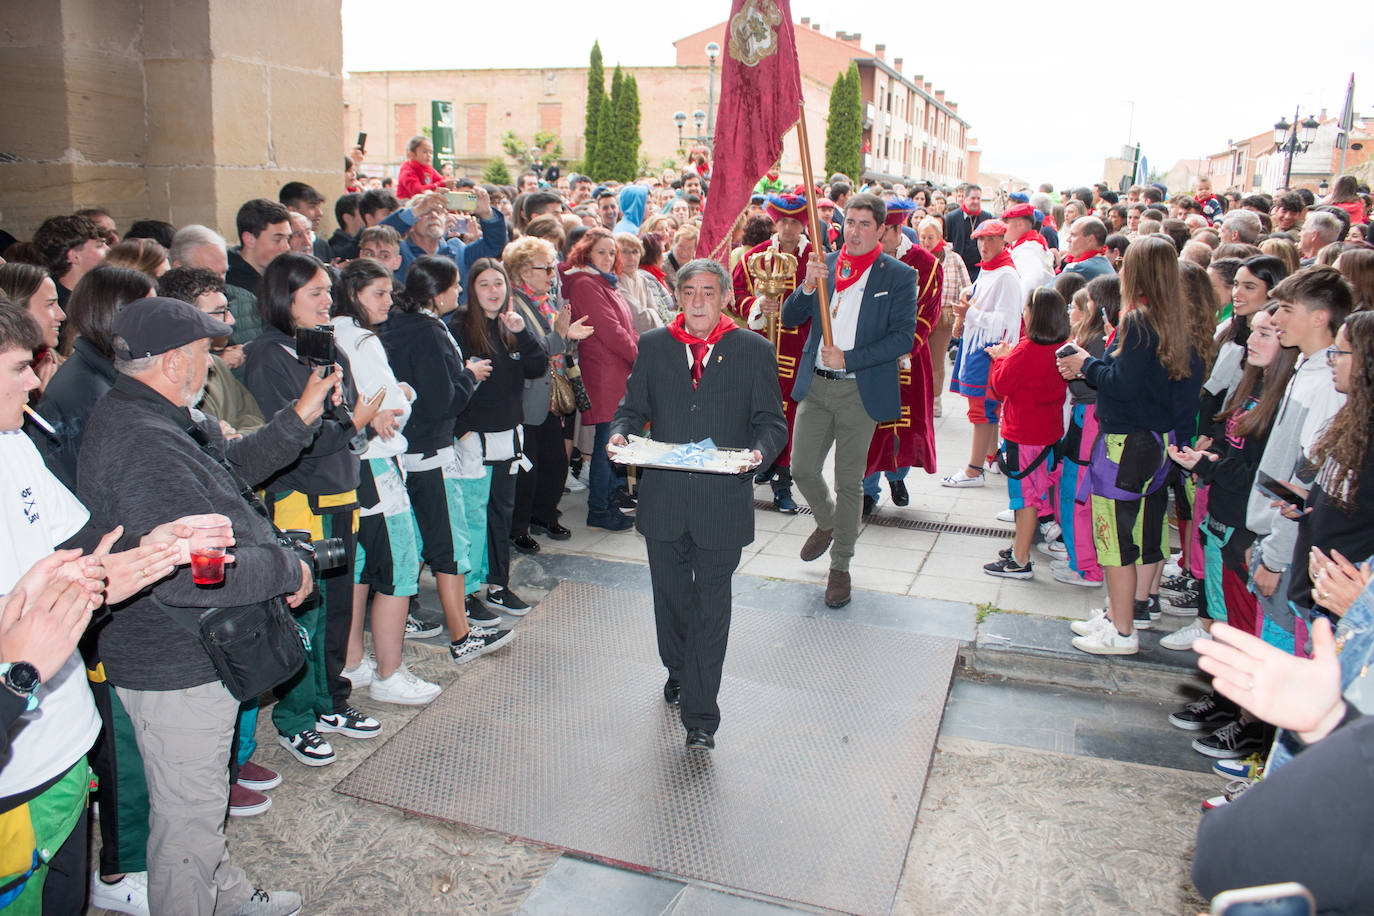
x: 837, y: 588
x: 817, y: 542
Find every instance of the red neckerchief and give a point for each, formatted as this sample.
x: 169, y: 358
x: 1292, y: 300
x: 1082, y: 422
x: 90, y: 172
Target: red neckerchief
x: 939, y: 247
x: 1074, y: 259
x: 1031, y: 236
x: 1002, y: 259
x: 1203, y: 198
x: 849, y: 268
x: 678, y: 328
x: 971, y: 213
x: 657, y: 273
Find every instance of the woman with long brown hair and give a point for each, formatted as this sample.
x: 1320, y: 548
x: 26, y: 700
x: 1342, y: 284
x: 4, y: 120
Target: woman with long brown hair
x: 1147, y: 388
x: 491, y: 329
x: 32, y: 288
x: 1341, y: 498
x: 1357, y: 266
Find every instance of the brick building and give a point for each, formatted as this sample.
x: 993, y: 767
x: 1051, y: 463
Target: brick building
x: 910, y: 130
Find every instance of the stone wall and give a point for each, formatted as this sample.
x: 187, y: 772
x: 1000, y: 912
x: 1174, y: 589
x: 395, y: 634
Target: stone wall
x: 167, y: 109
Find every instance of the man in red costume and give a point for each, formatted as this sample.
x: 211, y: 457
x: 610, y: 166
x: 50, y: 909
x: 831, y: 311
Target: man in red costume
x: 908, y: 441
x: 787, y: 213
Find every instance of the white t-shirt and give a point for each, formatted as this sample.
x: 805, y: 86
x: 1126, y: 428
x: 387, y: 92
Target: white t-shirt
x: 39, y: 513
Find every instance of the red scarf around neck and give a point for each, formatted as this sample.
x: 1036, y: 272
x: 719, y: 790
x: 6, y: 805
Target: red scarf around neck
x: 657, y: 273
x: 939, y: 248
x: 678, y: 328
x: 1031, y: 236
x: 1002, y: 259
x: 1074, y: 259
x: 849, y: 268
x: 1203, y: 198
x: 971, y: 213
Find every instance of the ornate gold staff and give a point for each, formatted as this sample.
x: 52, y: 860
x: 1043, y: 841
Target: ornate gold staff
x: 773, y: 272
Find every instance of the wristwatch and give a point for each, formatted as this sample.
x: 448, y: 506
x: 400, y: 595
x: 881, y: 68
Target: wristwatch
x: 21, y: 679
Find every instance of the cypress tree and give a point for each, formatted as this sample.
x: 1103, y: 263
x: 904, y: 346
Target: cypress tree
x: 605, y: 150
x: 627, y: 129
x: 844, y: 129
x: 596, y: 91
x: 612, y: 152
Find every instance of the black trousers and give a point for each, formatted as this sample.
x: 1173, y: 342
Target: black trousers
x: 500, y: 508
x: 692, y: 614
x: 538, y: 490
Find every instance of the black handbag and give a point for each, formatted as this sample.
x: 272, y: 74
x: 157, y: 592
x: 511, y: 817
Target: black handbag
x: 579, y: 390
x: 253, y: 647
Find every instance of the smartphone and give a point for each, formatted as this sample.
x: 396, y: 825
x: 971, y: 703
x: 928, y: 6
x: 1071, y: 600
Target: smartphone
x: 362, y: 140
x: 462, y: 201
x: 1067, y: 350
x: 460, y: 225
x: 1287, y: 899
x: 1277, y: 489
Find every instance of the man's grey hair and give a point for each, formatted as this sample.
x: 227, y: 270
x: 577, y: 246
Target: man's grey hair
x: 1327, y: 227
x: 1091, y: 225
x: 139, y: 364
x: 706, y: 266
x: 1245, y: 224
x: 1041, y: 202
x: 189, y: 238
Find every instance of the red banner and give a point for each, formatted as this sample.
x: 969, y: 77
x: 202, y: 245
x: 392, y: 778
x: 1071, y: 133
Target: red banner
x: 760, y: 100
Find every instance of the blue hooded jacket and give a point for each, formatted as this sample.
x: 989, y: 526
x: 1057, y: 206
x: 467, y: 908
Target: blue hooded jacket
x: 632, y: 200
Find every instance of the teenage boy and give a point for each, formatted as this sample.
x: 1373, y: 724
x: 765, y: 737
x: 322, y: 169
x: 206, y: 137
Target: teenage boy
x: 1312, y: 306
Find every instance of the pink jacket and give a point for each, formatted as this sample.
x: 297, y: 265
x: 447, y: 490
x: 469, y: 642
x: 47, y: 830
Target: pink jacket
x: 608, y: 355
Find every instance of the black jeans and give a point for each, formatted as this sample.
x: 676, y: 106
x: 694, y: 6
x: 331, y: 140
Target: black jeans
x: 538, y: 490
x: 500, y: 508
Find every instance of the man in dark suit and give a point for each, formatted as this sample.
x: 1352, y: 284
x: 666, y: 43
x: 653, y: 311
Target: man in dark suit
x: 959, y: 226
x: 844, y: 390
x: 700, y: 377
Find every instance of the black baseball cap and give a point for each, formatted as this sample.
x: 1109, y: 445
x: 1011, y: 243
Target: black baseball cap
x: 152, y: 326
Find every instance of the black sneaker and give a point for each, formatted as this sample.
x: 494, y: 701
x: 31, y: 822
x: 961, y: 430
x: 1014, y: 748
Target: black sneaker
x: 479, y: 615
x: 418, y: 629
x: 1174, y: 585
x: 309, y: 747
x: 479, y: 641
x: 1234, y: 739
x: 1203, y: 713
x: 1008, y: 568
x: 1186, y: 598
x: 350, y: 722
x: 1147, y: 612
x: 623, y: 501
x: 507, y: 601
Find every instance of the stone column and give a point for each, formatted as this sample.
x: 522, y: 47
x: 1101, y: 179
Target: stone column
x: 167, y: 109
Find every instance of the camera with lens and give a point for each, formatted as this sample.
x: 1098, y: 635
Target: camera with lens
x: 321, y: 556
x: 315, y: 348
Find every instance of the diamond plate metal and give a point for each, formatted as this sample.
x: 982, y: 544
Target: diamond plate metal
x: 911, y: 524
x: 827, y: 731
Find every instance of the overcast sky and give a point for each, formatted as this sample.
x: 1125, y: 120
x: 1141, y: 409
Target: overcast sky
x: 1050, y: 89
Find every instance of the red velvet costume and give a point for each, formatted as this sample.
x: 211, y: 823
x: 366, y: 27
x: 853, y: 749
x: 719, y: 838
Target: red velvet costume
x: 790, y: 340
x: 915, y: 431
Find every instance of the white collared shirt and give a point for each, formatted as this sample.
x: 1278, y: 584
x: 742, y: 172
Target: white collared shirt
x: 844, y: 316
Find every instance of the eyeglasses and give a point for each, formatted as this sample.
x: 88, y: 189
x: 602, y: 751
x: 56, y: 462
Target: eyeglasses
x: 547, y: 270
x: 1333, y: 353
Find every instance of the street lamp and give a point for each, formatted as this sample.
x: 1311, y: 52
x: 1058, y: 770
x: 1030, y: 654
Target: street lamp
x: 1294, y: 138
x: 680, y: 119
x: 712, y: 52
x: 699, y: 119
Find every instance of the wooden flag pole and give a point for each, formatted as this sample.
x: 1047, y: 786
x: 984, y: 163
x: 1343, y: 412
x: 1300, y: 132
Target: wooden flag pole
x: 822, y: 290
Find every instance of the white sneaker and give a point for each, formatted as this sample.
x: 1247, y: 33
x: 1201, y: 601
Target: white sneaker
x: 1060, y: 563
x: 1094, y: 623
x: 962, y: 479
x: 127, y: 895
x: 1055, y: 550
x: 1182, y: 639
x: 992, y: 467
x: 1051, y: 531
x: 404, y: 689
x: 1007, y: 515
x: 1066, y: 575
x: 573, y: 484
x: 1107, y: 641
x: 1172, y: 567
x: 362, y: 673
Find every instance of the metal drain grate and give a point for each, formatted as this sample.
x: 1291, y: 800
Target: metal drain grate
x: 913, y: 524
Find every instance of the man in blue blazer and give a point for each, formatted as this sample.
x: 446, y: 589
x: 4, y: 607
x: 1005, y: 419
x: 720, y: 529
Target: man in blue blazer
x: 845, y: 390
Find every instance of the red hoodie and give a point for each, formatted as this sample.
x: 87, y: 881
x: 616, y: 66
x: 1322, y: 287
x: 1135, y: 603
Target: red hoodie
x: 1032, y: 393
